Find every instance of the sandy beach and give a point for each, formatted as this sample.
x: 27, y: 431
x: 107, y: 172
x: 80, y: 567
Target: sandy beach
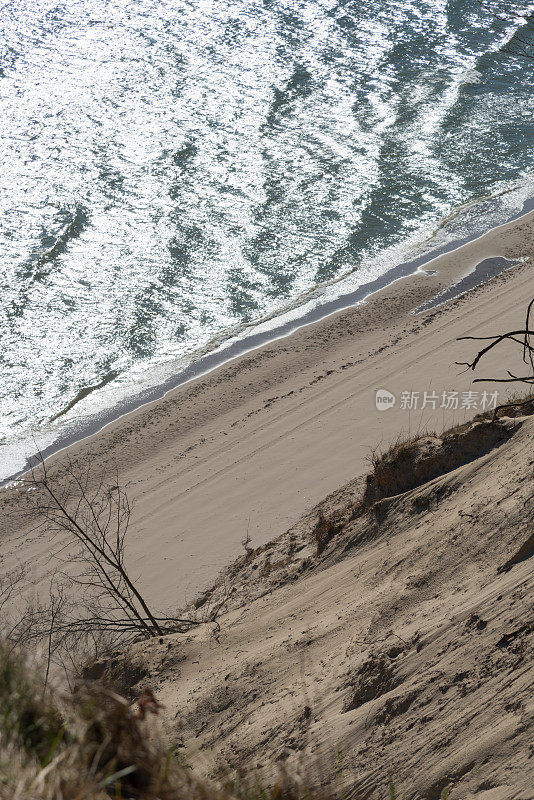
x: 253, y: 445
x: 266, y: 409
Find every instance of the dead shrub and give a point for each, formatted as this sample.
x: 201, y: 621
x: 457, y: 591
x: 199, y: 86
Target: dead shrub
x: 375, y: 678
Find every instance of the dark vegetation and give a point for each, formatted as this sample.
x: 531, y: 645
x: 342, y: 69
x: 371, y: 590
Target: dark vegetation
x: 413, y: 461
x: 95, y: 745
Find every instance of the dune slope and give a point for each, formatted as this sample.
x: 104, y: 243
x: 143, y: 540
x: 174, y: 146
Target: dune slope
x: 404, y: 651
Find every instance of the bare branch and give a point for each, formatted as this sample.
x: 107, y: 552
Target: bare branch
x: 94, y: 518
x: 521, y: 337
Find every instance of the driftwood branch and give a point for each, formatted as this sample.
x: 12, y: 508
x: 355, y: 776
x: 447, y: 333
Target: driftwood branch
x: 88, y: 522
x: 519, y: 46
x: 522, y: 337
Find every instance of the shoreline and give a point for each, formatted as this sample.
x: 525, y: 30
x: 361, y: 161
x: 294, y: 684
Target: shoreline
x: 233, y: 348
x: 256, y: 444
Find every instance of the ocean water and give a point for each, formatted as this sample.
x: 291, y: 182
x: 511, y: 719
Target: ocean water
x: 172, y: 172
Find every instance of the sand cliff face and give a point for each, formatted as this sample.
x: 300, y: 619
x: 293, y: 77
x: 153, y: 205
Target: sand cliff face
x: 404, y: 651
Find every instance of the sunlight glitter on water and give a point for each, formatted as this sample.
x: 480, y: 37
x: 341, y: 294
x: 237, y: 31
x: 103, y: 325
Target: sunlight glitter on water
x: 172, y: 170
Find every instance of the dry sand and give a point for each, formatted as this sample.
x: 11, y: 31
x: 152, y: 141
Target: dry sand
x: 402, y: 653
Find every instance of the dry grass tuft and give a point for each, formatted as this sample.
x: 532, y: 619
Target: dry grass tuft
x: 415, y: 460
x: 411, y: 462
x: 95, y: 745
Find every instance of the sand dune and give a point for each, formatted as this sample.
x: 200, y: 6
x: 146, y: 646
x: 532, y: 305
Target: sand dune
x: 403, y: 652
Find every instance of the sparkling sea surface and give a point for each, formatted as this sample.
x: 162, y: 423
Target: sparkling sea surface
x: 171, y: 171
